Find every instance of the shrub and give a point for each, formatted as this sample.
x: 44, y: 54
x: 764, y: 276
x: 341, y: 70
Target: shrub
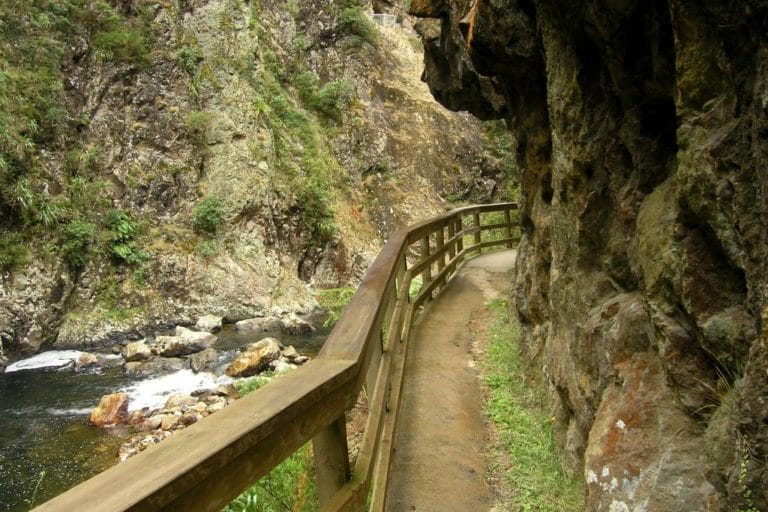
x: 334, y: 300
x: 354, y: 22
x: 13, y: 251
x: 78, y: 236
x: 333, y: 98
x: 198, y: 125
x: 123, y: 229
x: 207, y: 216
x: 122, y: 45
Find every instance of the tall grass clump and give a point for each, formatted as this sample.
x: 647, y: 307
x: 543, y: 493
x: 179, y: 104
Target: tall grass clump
x: 526, y: 448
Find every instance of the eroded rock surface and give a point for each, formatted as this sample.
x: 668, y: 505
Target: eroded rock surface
x: 641, y: 280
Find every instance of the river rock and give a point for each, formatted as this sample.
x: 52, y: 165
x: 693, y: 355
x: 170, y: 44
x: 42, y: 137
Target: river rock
x: 85, y: 361
x: 209, y: 323
x: 301, y: 360
x: 151, y: 423
x: 202, y: 360
x: 184, y: 343
x: 169, y: 421
x: 261, y: 324
x: 112, y: 410
x: 290, y: 353
x: 153, y: 366
x: 255, y: 359
x: 189, y: 417
x: 227, y: 390
x: 217, y: 404
x: 137, y: 351
x: 281, y: 366
x: 181, y: 401
x: 295, y: 326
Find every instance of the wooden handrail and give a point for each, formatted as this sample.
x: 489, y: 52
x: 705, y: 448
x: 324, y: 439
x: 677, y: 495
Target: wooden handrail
x: 208, y: 464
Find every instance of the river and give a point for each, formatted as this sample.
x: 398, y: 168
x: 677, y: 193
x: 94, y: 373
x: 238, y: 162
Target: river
x: 46, y: 443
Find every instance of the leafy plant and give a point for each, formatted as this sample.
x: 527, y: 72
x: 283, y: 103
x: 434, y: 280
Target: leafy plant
x: 78, y: 236
x: 122, y: 45
x: 207, y: 216
x: 353, y: 21
x: 333, y: 98
x: 334, y: 301
x: 13, y: 251
x: 123, y: 230
x: 199, y: 126
x: 290, y: 486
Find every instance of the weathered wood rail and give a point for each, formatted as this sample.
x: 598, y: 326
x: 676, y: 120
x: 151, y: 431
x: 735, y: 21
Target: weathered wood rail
x: 207, y: 465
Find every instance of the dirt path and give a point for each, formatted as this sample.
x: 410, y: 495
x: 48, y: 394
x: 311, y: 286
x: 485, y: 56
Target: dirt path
x: 438, y: 462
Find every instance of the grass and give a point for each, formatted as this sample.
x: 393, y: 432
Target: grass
x: 525, y: 453
x: 334, y: 300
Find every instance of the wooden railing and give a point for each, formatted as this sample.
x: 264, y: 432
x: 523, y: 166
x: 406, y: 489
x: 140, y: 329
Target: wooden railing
x: 207, y: 465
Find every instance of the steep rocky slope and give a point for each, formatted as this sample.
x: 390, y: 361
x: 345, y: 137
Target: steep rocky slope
x: 164, y: 160
x: 642, y: 280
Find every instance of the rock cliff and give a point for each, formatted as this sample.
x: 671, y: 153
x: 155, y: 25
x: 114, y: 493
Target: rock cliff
x: 642, y: 282
x: 166, y: 160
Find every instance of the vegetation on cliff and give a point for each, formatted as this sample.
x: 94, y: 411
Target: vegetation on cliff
x: 164, y: 160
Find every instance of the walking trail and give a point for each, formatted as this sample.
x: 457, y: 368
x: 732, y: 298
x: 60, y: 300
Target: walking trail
x: 438, y: 460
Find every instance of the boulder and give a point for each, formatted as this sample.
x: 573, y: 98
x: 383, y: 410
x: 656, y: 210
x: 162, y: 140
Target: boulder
x: 168, y: 421
x: 255, y: 359
x: 86, y: 360
x: 202, y: 360
x: 153, y: 366
x: 112, y: 410
x: 295, y: 326
x: 137, y: 351
x: 266, y: 324
x: 209, y: 323
x: 181, y: 401
x: 290, y: 353
x: 184, y: 343
x: 301, y: 360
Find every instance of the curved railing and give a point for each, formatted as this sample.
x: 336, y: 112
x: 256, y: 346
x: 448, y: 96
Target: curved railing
x: 208, y: 464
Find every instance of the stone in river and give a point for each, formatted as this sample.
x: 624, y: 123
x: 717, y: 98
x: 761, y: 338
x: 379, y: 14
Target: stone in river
x: 255, y: 359
x: 209, y: 323
x: 259, y: 324
x: 137, y: 351
x: 112, y: 409
x: 202, y: 360
x: 184, y: 343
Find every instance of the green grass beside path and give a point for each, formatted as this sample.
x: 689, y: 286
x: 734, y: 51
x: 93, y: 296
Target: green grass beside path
x: 525, y: 454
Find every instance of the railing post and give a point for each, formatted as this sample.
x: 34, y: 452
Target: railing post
x: 459, y: 229
x: 439, y: 243
x: 451, y: 234
x: 478, y: 233
x: 426, y: 276
x: 508, y: 228
x: 331, y: 460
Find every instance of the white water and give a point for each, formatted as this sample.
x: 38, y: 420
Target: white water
x: 154, y: 392
x: 51, y: 359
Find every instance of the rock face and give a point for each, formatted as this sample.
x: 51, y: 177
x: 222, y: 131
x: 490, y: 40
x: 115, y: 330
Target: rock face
x: 155, y: 138
x: 642, y: 282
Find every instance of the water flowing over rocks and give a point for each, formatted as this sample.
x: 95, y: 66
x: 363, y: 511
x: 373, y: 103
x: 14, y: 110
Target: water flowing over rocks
x: 641, y: 282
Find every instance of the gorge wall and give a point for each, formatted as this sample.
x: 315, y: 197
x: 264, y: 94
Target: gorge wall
x: 641, y: 134
x: 160, y: 160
